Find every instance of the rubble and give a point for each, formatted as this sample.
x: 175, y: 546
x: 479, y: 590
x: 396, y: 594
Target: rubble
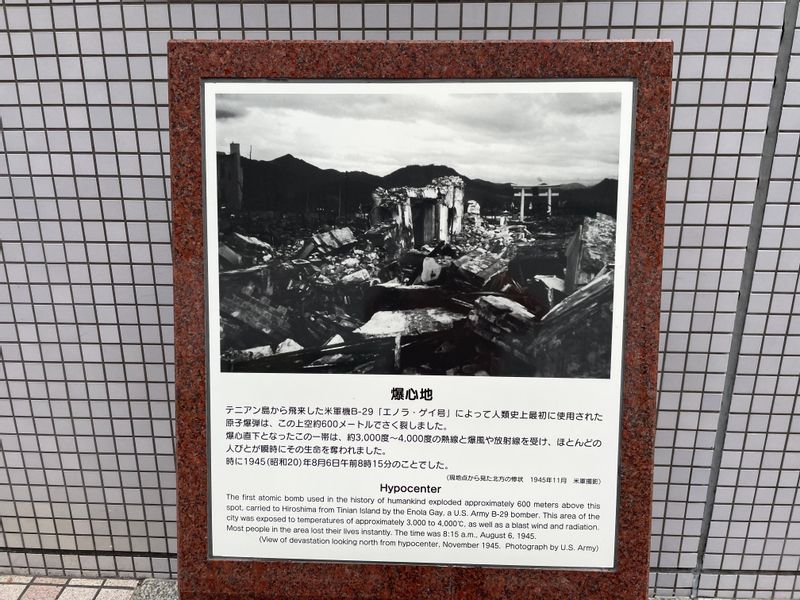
x: 574, y: 338
x: 360, y: 276
x: 542, y: 257
x: 422, y: 283
x: 409, y: 322
x: 322, y: 325
x: 328, y: 242
x: 431, y: 270
x: 335, y: 340
x: 590, y: 249
x: 239, y: 250
x: 288, y: 345
x: 256, y: 353
x: 333, y: 240
x: 394, y: 295
x: 229, y: 256
x: 258, y: 313
x: 547, y: 291
x: 254, y: 242
x: 329, y: 360
x: 505, y: 323
x: 479, y: 268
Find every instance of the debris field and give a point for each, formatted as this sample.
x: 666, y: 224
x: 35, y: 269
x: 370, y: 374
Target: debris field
x: 422, y: 284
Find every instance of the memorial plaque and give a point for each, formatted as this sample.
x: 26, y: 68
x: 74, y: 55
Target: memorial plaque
x: 416, y: 291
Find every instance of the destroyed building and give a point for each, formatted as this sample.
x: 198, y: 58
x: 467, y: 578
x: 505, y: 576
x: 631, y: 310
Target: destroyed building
x: 230, y: 181
x: 424, y: 215
x: 590, y: 249
x: 565, y: 343
x: 424, y: 285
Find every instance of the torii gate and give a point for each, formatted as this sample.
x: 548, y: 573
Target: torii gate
x: 549, y: 194
x: 523, y: 193
x: 526, y: 191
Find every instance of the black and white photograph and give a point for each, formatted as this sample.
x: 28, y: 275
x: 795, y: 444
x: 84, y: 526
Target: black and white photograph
x: 420, y: 228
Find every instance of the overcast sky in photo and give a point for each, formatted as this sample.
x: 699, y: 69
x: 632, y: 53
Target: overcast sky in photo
x: 504, y: 138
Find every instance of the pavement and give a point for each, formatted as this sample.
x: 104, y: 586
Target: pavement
x: 24, y: 587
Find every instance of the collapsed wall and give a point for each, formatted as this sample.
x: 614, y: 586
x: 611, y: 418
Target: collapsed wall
x: 590, y: 249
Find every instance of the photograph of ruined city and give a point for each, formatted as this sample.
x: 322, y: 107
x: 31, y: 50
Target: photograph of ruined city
x: 430, y: 233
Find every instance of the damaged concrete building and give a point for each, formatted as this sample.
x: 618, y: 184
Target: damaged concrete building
x: 230, y: 180
x: 421, y: 287
x: 425, y: 215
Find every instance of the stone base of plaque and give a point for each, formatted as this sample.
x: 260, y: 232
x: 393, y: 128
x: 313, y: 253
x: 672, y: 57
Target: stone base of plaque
x: 160, y: 589
x: 157, y: 589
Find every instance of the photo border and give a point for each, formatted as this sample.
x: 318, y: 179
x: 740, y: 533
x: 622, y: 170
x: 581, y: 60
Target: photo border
x: 608, y: 388
x: 191, y: 62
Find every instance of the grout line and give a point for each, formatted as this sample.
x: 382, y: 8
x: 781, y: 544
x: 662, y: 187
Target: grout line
x: 748, y: 270
x: 70, y: 552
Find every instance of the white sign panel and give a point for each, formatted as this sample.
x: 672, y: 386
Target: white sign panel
x: 415, y: 300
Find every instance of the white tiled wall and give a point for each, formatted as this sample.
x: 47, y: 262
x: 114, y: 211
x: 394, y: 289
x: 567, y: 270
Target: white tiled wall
x: 87, y: 481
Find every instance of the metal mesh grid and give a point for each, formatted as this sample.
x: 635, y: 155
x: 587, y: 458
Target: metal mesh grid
x: 722, y: 87
x: 754, y: 535
x: 87, y: 480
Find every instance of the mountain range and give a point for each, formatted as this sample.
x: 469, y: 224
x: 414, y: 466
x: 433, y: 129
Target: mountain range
x: 290, y: 184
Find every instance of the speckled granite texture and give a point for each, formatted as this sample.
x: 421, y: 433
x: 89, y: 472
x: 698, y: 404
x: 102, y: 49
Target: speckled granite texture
x: 156, y: 589
x: 191, y: 61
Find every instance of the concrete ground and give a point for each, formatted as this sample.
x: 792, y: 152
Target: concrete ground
x: 23, y: 587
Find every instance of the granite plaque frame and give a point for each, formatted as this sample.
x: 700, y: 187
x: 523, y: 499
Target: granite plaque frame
x: 191, y: 63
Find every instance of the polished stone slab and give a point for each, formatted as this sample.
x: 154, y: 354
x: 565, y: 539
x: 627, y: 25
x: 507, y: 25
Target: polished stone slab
x: 192, y: 62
